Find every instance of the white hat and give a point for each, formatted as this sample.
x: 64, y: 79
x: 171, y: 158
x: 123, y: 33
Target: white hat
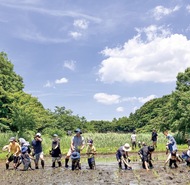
x: 126, y: 147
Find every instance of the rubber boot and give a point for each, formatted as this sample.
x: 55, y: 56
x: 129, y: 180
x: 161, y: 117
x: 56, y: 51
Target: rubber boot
x: 42, y: 163
x: 66, y: 163
x: 120, y: 165
x: 7, y: 166
x: 53, y: 165
x: 59, y: 164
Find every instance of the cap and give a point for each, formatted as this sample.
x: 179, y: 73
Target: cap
x: 38, y: 134
x: 78, y: 131
x: 150, y: 148
x: 55, y: 135
x: 12, y: 139
x: 90, y: 141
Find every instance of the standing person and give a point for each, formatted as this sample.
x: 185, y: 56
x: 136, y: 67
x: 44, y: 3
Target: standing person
x: 38, y: 153
x: 122, y: 156
x: 77, y: 145
x: 56, y: 151
x: 172, y: 145
x: 14, y: 151
x: 134, y: 140
x: 145, y: 154
x: 154, y: 138
x: 91, y: 151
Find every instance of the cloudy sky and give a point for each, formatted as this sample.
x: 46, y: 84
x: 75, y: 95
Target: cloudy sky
x: 102, y: 59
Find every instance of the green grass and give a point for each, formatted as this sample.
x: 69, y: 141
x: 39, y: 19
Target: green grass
x: 105, y: 143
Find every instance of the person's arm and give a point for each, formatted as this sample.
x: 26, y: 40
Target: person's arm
x: 169, y: 156
x: 83, y: 144
x: 72, y: 144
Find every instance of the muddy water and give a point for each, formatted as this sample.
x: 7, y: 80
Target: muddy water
x: 106, y: 173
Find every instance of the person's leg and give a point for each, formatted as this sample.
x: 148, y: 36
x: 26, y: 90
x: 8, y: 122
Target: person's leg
x: 53, y: 162
x: 59, y: 161
x: 15, y: 161
x: 10, y: 159
x: 36, y: 160
x: 67, y: 158
x: 42, y: 160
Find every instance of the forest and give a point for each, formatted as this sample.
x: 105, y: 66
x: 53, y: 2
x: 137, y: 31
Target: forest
x: 22, y: 113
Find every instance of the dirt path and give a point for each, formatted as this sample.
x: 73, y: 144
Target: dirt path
x: 106, y: 173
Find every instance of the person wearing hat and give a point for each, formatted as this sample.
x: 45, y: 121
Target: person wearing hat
x: 56, y: 151
x: 75, y: 157
x: 91, y: 151
x: 77, y: 145
x: 122, y: 156
x: 145, y: 154
x: 26, y: 158
x: 14, y: 151
x: 186, y: 156
x: 37, y: 148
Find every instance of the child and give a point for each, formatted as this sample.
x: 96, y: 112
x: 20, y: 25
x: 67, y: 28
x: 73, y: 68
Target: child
x: 56, y: 151
x: 172, y: 158
x: 25, y: 157
x: 122, y: 156
x: 91, y: 151
x: 75, y: 157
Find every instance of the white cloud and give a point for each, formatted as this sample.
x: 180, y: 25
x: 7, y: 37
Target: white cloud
x: 158, y: 58
x: 106, y: 98
x: 81, y: 23
x: 61, y: 81
x: 159, y: 12
x: 139, y: 99
x: 75, y: 34
x: 49, y: 84
x: 120, y: 109
x: 188, y: 8
x: 69, y: 64
x: 148, y: 98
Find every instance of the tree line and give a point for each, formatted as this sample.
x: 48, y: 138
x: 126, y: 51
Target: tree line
x: 23, y: 113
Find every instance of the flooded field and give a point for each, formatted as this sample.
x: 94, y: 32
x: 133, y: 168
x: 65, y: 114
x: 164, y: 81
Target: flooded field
x: 106, y: 172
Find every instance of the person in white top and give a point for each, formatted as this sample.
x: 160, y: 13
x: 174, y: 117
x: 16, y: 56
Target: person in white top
x: 134, y: 140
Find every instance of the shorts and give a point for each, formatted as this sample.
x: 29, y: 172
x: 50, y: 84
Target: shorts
x: 58, y: 159
x: 13, y: 158
x: 38, y: 156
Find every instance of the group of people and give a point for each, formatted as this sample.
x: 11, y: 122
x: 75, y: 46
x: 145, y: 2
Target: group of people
x: 22, y: 152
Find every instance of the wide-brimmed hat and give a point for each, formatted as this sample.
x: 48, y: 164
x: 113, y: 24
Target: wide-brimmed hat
x: 78, y: 131
x: 75, y: 155
x: 12, y: 139
x: 126, y: 147
x: 24, y: 149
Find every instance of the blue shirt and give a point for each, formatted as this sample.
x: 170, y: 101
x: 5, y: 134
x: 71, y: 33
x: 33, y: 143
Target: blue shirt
x: 37, y: 145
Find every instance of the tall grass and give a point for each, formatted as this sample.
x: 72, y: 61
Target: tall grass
x: 104, y: 142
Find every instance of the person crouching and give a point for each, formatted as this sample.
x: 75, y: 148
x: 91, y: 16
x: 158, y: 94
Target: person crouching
x: 122, y: 156
x: 145, y: 154
x: 26, y: 158
x: 172, y: 158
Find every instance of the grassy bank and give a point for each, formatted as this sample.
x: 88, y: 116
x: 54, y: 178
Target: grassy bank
x: 105, y: 143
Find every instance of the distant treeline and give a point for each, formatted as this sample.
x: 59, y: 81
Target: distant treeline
x: 21, y: 112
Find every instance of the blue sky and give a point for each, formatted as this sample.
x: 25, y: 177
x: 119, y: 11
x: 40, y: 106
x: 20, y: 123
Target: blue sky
x: 102, y: 59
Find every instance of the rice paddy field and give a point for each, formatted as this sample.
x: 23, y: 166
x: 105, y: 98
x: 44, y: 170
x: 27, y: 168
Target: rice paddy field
x: 106, y: 172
